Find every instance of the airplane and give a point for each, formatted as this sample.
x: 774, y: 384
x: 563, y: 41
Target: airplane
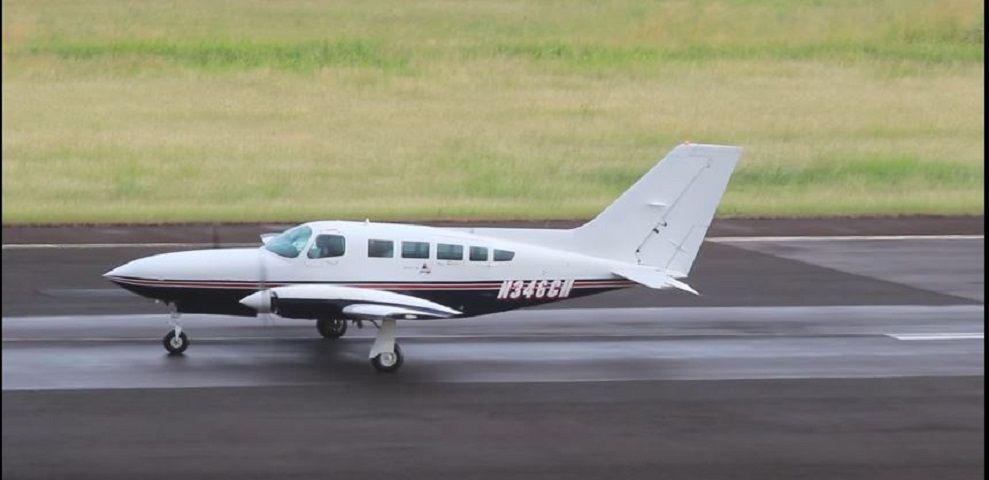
x: 335, y: 272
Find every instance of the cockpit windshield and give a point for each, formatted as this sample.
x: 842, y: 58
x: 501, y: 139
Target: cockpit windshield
x: 290, y: 243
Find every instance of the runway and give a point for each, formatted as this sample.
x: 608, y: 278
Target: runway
x: 605, y: 345
x: 848, y: 358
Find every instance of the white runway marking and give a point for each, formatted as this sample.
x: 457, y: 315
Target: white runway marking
x: 936, y: 336
x: 822, y: 238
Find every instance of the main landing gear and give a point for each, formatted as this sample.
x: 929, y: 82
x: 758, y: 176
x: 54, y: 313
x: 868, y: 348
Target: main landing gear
x: 386, y: 356
x: 331, y: 328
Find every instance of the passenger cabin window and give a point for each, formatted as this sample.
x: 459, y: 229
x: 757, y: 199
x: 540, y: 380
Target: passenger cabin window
x: 327, y: 246
x: 380, y: 248
x: 478, y: 254
x: 445, y: 251
x: 290, y: 243
x: 503, y: 255
x: 415, y: 250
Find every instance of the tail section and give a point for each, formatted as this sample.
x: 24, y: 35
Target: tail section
x: 662, y: 219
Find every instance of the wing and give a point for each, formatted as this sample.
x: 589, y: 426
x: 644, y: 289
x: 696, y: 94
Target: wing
x: 370, y: 311
x: 318, y: 301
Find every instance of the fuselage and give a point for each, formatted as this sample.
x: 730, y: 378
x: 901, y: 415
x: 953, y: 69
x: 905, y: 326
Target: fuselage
x: 475, y: 274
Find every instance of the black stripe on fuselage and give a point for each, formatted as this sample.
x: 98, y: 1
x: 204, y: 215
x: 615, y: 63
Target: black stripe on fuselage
x: 216, y: 299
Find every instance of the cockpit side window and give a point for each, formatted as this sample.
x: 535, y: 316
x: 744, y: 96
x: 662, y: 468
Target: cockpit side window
x: 290, y: 243
x: 327, y: 246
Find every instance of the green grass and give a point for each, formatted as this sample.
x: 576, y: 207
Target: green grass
x: 236, y: 111
x: 217, y: 56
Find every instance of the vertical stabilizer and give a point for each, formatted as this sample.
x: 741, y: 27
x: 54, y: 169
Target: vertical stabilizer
x: 662, y: 219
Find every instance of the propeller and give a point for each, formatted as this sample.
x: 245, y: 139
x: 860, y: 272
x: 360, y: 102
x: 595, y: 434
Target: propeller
x: 265, y: 311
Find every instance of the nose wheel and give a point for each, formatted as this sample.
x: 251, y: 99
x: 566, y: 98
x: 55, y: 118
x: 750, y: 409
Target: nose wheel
x: 386, y: 355
x: 176, y: 341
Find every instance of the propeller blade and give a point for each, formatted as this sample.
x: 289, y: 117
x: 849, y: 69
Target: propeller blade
x: 263, y: 293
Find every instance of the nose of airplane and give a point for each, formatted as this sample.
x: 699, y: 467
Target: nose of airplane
x: 125, y: 270
x: 222, y: 264
x: 140, y: 268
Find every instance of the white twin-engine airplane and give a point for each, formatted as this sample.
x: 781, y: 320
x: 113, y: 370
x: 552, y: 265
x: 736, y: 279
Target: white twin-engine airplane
x: 335, y: 272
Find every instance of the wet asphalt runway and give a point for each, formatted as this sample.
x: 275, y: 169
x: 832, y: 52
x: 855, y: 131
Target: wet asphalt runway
x: 602, y: 345
x: 824, y: 359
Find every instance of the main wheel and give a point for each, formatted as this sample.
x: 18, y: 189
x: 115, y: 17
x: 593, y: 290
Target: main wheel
x: 175, y: 344
x: 388, y: 362
x: 331, y: 328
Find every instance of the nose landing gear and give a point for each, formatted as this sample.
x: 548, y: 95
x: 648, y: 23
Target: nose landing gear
x: 175, y: 341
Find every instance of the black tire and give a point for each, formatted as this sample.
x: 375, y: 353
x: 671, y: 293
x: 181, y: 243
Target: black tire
x: 177, y: 347
x: 378, y: 363
x: 331, y: 328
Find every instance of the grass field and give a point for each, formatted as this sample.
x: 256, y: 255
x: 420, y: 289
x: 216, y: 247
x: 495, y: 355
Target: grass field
x: 120, y: 111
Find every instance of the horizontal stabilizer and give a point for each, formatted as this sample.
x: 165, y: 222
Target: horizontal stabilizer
x: 652, y: 278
